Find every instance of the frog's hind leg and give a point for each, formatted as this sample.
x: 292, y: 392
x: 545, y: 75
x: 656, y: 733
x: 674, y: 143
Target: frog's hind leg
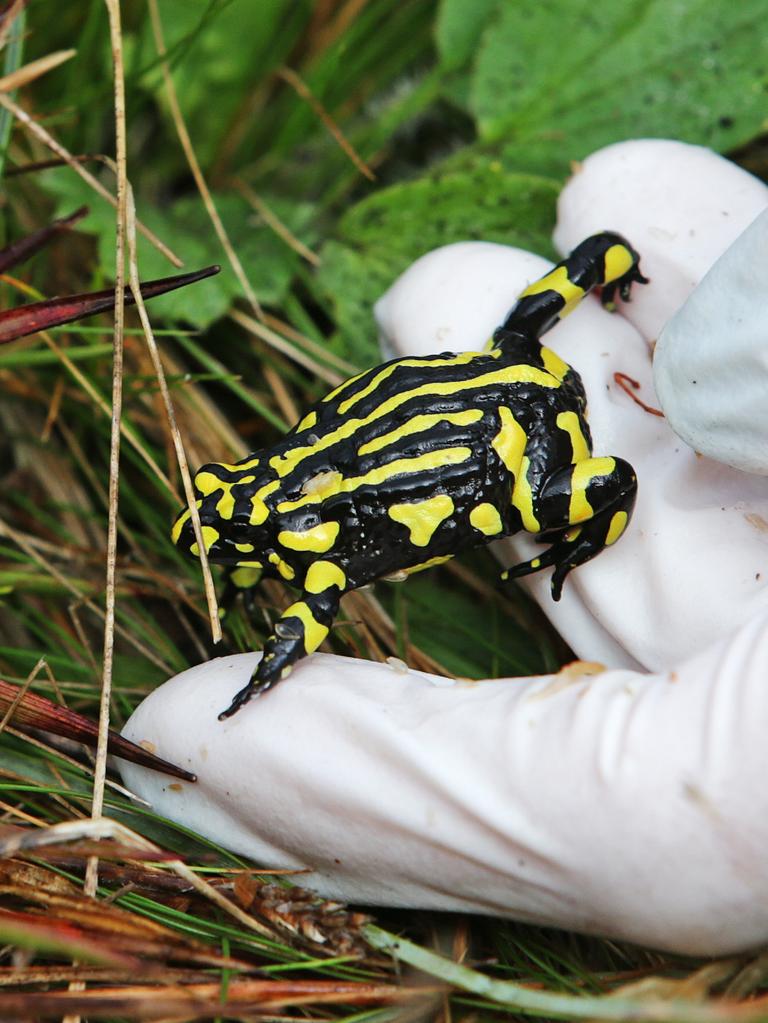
x: 240, y: 581
x: 604, y: 261
x: 587, y: 506
x: 299, y: 631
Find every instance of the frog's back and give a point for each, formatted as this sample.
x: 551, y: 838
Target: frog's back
x: 408, y: 409
x: 409, y: 424
x: 402, y: 385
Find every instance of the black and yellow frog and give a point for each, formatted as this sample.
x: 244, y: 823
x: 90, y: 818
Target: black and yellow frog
x: 410, y: 463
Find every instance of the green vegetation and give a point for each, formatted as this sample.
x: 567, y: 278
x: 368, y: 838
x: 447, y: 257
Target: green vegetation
x: 340, y: 141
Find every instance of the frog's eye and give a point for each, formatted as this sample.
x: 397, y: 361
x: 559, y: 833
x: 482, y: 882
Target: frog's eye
x: 241, y: 530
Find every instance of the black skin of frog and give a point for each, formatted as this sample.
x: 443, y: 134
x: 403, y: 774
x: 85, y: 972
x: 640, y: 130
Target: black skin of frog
x: 411, y: 462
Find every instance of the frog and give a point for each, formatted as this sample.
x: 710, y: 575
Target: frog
x: 409, y: 463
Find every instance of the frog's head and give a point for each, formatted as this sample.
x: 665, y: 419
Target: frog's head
x: 236, y: 523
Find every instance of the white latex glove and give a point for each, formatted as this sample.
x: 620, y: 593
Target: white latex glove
x: 624, y: 804
x: 711, y: 362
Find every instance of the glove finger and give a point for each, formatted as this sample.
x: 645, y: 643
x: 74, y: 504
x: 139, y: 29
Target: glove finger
x: 626, y: 805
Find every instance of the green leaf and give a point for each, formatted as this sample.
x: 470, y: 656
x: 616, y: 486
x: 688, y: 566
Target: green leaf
x: 185, y: 226
x: 382, y: 235
x: 458, y: 29
x: 350, y: 282
x: 559, y: 80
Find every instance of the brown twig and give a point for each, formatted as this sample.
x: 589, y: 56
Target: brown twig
x: 272, y: 220
x: 35, y: 69
x: 27, y: 246
x: 300, y: 86
x: 246, y: 998
x: 41, y: 165
x: 100, y: 769
x: 50, y: 142
x: 53, y: 312
x: 254, y: 326
x: 29, y: 710
x: 178, y: 445
x: 626, y: 383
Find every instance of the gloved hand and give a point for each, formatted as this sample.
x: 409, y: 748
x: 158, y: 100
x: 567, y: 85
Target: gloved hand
x: 694, y: 563
x: 609, y: 801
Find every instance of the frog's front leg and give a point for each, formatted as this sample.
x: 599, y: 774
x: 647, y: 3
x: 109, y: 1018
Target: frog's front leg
x: 589, y: 504
x: 606, y: 261
x: 299, y: 631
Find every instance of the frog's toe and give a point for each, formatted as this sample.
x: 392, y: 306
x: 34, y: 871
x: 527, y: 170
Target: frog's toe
x: 238, y: 701
x: 623, y: 285
x: 562, y: 568
x: 572, y: 548
x: 544, y: 560
x: 558, y: 578
x: 256, y: 686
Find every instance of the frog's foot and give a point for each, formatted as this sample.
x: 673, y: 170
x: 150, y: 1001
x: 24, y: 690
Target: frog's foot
x: 240, y: 581
x: 622, y: 285
x: 588, y: 506
x: 577, y: 545
x: 299, y: 631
